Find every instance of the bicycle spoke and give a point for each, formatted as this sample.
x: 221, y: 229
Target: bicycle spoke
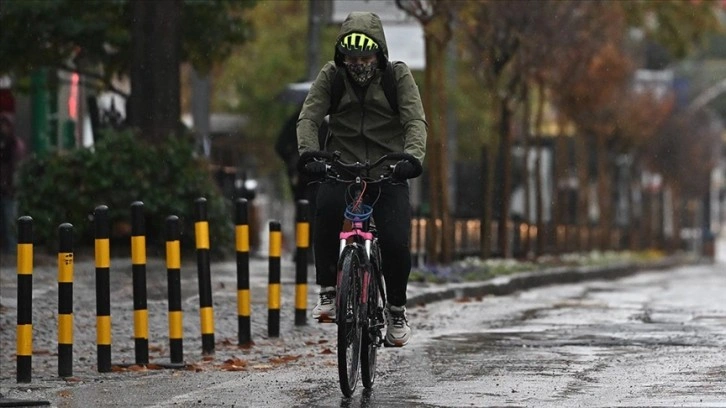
x: 349, y: 332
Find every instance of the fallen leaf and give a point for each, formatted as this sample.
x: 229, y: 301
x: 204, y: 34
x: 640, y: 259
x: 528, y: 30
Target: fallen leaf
x: 235, y: 361
x: 234, y: 368
x: 156, y: 349
x: 227, y: 342
x: 284, y: 359
x: 194, y: 367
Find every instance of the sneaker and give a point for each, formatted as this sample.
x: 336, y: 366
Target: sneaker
x: 398, y: 333
x: 324, y: 311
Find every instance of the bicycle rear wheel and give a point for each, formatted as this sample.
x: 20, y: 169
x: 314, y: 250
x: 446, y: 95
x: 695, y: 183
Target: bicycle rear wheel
x: 348, y: 316
x: 373, y: 324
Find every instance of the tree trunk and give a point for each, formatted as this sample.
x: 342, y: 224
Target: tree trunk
x: 155, y: 87
x: 583, y: 187
x: 433, y: 236
x: 561, y: 203
x: 485, y: 237
x: 678, y: 206
x: 437, y: 35
x: 526, y: 126
x: 648, y: 241
x: 635, y: 225
x: 539, y: 250
x: 629, y: 203
x: 505, y: 177
x: 604, y: 193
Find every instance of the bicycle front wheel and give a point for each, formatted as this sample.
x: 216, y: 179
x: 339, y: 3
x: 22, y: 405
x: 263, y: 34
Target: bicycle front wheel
x: 373, y: 322
x: 349, y: 321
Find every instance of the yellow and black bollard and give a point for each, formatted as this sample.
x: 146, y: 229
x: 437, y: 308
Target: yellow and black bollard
x: 102, y: 251
x: 173, y: 266
x: 65, y: 300
x: 273, y: 292
x: 138, y: 268
x: 25, y: 300
x: 206, y: 311
x: 302, y: 238
x: 242, y: 248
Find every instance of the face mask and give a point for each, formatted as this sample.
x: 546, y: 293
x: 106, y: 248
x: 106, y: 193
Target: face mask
x: 361, y: 73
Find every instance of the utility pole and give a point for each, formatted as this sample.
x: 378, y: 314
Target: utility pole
x: 40, y: 138
x: 201, y: 90
x: 315, y: 22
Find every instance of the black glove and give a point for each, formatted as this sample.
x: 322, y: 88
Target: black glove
x: 310, y: 156
x: 315, y: 169
x: 404, y: 170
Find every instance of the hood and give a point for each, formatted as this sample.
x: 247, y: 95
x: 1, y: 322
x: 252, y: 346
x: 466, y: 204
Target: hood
x: 368, y: 24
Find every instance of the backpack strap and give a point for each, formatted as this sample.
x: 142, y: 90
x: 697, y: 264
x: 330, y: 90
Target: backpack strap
x: 390, y: 86
x: 388, y: 81
x: 336, y: 90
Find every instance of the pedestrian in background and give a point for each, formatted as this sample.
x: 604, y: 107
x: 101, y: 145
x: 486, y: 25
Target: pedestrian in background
x: 286, y: 148
x: 301, y: 184
x: 12, y: 151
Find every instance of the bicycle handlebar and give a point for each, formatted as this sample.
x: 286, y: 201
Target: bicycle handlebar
x: 333, y: 158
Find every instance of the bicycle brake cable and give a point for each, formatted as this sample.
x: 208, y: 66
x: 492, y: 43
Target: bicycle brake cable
x: 359, y: 200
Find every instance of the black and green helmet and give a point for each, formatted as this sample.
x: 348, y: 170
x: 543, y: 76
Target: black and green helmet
x: 357, y: 44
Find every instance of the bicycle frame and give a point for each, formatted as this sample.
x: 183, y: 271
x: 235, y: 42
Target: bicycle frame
x: 354, y: 233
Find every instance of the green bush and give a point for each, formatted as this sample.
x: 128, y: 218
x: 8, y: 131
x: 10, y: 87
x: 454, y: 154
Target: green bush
x: 120, y: 169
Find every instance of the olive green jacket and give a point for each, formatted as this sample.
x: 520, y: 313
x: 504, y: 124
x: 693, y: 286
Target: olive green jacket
x: 367, y: 129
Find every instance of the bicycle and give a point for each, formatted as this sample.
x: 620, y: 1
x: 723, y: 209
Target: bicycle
x: 361, y: 291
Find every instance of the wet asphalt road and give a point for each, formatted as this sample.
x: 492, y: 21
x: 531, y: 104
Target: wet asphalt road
x: 654, y: 339
x: 650, y: 340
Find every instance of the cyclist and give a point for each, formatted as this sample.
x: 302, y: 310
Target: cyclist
x: 364, y: 127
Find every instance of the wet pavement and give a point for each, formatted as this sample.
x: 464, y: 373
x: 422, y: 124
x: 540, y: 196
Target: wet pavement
x: 655, y: 339
x: 298, y: 368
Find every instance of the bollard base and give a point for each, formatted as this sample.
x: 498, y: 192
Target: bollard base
x: 172, y: 366
x: 301, y: 318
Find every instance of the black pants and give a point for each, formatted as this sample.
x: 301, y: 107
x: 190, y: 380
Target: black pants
x: 392, y: 214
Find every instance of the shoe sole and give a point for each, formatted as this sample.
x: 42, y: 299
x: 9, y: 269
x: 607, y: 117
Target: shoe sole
x: 396, y: 343
x: 325, y: 318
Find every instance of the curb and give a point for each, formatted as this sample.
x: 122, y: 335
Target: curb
x: 505, y: 285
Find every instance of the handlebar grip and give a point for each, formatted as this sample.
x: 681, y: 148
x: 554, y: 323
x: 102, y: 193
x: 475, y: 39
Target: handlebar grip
x: 407, y: 157
x: 402, y: 156
x: 307, y: 157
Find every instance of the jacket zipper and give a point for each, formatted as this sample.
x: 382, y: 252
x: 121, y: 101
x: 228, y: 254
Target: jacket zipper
x: 361, y: 100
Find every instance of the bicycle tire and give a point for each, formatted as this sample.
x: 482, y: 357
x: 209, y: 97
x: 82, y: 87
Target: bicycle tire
x: 348, y: 317
x: 371, y: 334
